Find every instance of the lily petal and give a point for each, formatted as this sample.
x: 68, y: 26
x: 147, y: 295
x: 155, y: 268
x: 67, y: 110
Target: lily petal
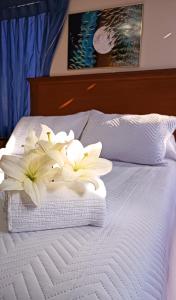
x: 30, y: 141
x: 62, y: 137
x: 34, y: 161
x: 68, y: 174
x: 93, y: 150
x: 75, y: 152
x: 99, y: 166
x: 78, y: 187
x: 32, y: 191
x: 56, y: 185
x: 11, y: 184
x: 70, y: 136
x: 11, y: 165
x: 44, y: 133
x: 44, y: 146
x: 49, y: 174
x: 90, y: 179
x: 56, y: 156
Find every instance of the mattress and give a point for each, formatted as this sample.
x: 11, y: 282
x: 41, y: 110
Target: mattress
x: 127, y: 259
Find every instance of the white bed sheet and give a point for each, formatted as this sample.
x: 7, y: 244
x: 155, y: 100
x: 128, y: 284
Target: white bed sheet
x: 171, y: 288
x: 127, y: 259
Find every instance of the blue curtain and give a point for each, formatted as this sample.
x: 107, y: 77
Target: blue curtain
x: 29, y: 33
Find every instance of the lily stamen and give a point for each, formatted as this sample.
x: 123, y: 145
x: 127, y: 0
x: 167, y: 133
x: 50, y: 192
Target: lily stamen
x: 49, y: 136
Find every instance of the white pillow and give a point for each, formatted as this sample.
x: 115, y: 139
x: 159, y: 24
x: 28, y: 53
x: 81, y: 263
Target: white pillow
x: 76, y: 122
x: 138, y: 139
x: 171, y: 148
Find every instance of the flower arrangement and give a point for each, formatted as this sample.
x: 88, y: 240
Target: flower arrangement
x: 51, y: 161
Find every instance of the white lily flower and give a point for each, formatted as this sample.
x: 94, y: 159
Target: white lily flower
x: 84, y: 164
x: 52, y: 145
x: 30, y: 173
x: 60, y: 138
x: 30, y: 142
x: 48, y: 144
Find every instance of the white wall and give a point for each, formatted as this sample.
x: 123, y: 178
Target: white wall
x: 158, y: 40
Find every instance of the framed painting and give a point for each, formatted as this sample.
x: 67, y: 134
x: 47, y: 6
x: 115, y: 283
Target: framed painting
x: 105, y: 38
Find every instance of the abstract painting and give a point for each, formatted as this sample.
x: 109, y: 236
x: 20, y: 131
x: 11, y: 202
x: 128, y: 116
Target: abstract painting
x: 105, y: 38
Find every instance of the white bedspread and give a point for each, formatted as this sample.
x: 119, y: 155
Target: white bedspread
x: 125, y: 260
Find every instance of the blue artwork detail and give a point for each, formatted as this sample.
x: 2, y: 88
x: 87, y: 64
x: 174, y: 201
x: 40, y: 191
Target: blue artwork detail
x: 83, y: 52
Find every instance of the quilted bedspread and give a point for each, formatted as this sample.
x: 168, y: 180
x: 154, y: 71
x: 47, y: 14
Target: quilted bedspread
x: 127, y: 259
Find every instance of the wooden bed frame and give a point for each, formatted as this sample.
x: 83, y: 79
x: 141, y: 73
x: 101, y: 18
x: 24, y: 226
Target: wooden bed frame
x: 138, y: 92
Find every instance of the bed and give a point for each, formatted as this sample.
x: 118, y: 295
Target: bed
x: 129, y: 257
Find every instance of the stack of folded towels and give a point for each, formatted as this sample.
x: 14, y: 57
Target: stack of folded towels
x: 55, y: 183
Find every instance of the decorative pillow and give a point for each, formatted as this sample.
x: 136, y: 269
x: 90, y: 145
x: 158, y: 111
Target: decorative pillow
x: 75, y: 122
x: 138, y: 139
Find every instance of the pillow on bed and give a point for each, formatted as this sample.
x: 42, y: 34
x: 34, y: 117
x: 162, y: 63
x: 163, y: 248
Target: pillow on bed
x: 138, y: 139
x: 76, y: 122
x: 171, y: 148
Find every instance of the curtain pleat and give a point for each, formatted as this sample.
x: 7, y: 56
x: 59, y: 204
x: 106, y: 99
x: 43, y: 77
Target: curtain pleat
x: 26, y: 50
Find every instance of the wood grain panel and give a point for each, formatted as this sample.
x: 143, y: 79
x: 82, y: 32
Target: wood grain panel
x: 137, y: 92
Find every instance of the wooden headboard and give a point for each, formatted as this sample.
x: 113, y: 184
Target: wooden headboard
x: 138, y: 92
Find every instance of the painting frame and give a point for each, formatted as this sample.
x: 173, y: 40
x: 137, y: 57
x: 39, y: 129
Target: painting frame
x: 102, y: 62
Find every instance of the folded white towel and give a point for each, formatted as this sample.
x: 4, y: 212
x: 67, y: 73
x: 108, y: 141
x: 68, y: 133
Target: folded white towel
x: 59, y: 209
